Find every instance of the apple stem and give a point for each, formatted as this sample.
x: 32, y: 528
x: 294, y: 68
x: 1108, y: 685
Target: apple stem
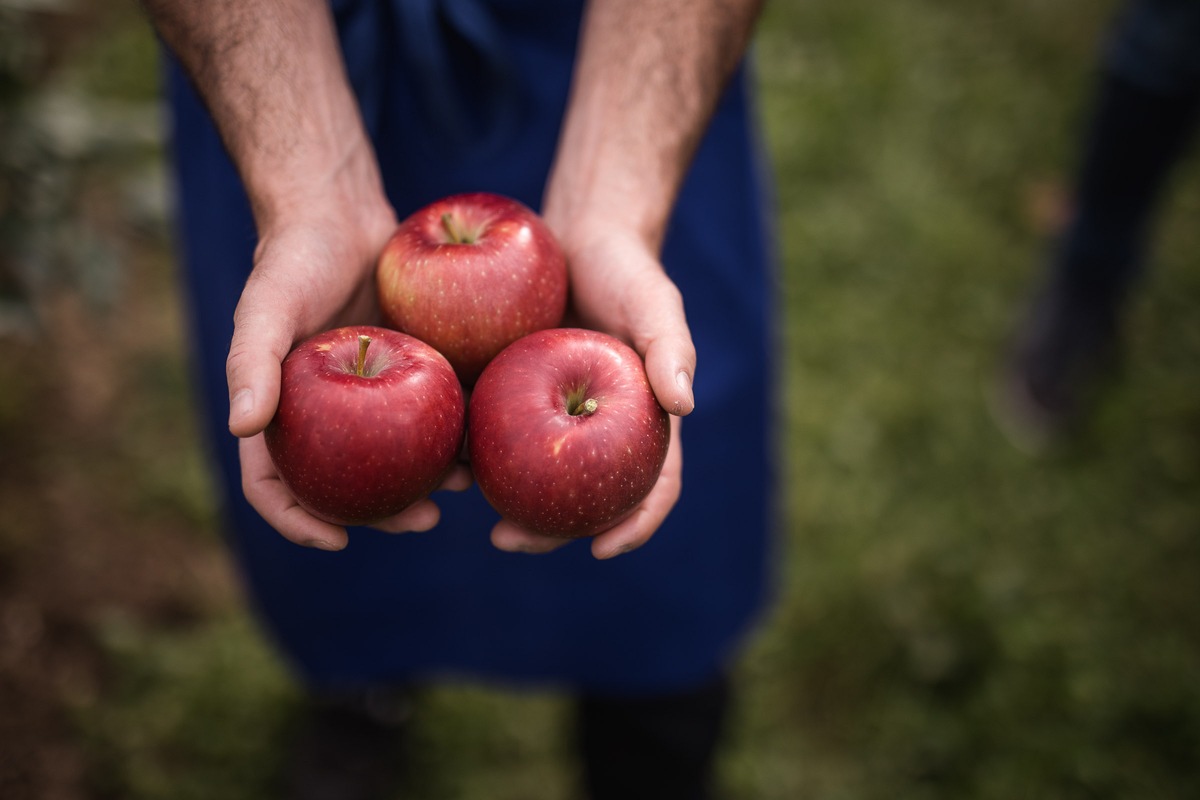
x: 360, y: 364
x: 455, y: 231
x: 586, y: 408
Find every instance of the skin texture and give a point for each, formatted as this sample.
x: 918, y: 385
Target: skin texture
x: 648, y: 77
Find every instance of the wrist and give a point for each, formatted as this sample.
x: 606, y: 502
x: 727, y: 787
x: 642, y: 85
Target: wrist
x: 582, y: 223
x: 584, y: 201
x: 341, y: 184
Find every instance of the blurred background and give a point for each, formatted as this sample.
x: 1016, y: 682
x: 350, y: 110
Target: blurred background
x: 955, y: 619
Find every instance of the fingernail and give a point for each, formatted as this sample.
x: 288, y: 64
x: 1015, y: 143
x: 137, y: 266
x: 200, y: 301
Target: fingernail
x: 618, y: 551
x: 684, y: 381
x: 240, y: 405
x: 322, y: 544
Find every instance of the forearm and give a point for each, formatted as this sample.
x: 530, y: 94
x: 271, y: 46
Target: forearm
x: 648, y: 78
x: 272, y: 77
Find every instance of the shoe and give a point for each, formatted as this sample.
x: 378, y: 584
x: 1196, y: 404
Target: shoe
x: 348, y: 746
x: 652, y: 747
x: 1061, y: 355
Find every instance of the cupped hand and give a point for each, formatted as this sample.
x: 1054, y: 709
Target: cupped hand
x: 313, y: 271
x: 268, y: 495
x: 618, y: 286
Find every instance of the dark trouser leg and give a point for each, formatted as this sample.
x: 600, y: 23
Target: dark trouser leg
x: 659, y: 747
x: 1135, y: 139
x: 347, y: 745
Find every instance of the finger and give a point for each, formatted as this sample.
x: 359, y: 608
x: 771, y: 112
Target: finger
x: 270, y: 498
x: 458, y: 480
x: 420, y: 516
x: 637, y: 529
x: 665, y: 343
x: 262, y: 338
x: 513, y: 539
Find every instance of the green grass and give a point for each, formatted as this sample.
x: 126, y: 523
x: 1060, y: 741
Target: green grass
x: 956, y: 620
x: 961, y: 621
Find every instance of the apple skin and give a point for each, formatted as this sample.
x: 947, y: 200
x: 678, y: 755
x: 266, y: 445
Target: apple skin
x: 354, y: 449
x: 471, y: 299
x: 557, y: 473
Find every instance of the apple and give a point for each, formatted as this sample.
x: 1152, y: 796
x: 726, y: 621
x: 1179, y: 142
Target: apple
x: 470, y: 274
x: 564, y: 433
x: 370, y: 420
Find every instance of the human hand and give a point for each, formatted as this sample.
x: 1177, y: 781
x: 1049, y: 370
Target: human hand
x: 618, y: 286
x: 268, y: 495
x: 273, y: 78
x: 314, y: 269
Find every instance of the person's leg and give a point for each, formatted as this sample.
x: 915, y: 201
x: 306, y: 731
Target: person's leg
x: 1143, y: 118
x: 347, y: 745
x: 1136, y: 136
x: 659, y: 747
x: 1135, y: 140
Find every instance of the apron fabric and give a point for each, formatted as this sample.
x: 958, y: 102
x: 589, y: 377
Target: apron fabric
x: 463, y: 95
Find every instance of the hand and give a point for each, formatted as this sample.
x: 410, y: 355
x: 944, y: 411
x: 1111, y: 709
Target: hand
x: 619, y: 287
x: 273, y: 78
x: 268, y: 495
x: 311, y: 273
x: 314, y: 272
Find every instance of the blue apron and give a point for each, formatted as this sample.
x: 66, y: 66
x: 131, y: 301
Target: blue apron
x: 446, y: 603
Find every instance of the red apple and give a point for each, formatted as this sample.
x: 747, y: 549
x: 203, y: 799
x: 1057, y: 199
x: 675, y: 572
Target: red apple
x: 370, y: 420
x: 565, y: 435
x: 470, y: 274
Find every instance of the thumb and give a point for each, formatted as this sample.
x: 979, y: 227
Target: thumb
x: 665, y: 343
x: 261, y: 340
